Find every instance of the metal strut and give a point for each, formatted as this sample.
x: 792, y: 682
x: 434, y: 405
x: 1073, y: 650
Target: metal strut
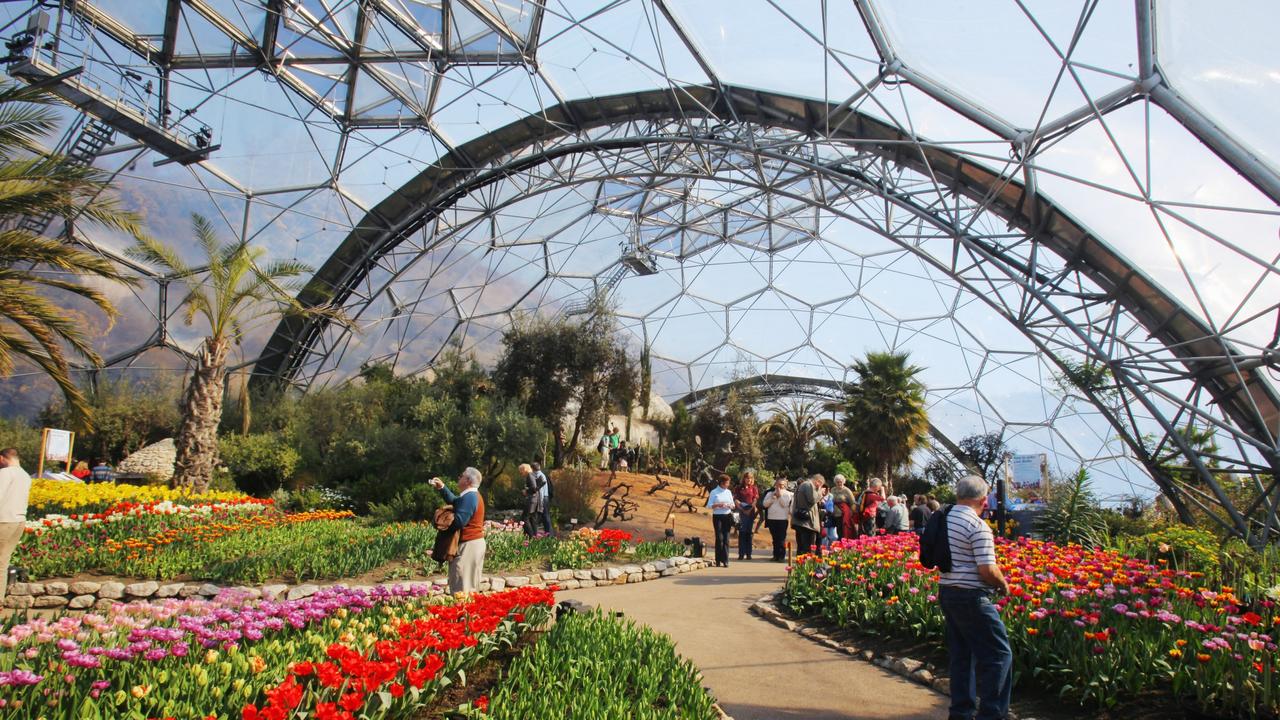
x: 78, y: 150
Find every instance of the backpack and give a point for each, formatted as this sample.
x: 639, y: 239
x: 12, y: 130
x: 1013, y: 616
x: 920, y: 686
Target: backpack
x: 935, y: 543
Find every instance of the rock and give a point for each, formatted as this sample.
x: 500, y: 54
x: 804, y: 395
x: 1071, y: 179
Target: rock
x: 85, y: 587
x: 683, y: 568
x: 632, y: 569
x: 587, y: 583
x: 247, y: 592
x: 187, y: 591
x: 305, y: 590
x: 273, y: 592
x: 104, y: 604
x: 809, y: 631
x: 55, y: 588
x: 922, y: 676
x: 209, y: 590
x: 600, y: 574
x: 50, y: 601
x: 581, y: 575
x: 483, y: 586
x: 905, y: 666
x: 612, y: 573
x: 649, y: 567
x: 19, y: 602
x: 168, y: 590
x: 648, y: 575
x: 516, y: 581
x: 155, y: 460
x: 621, y: 580
x: 570, y: 584
x: 80, y: 602
x: 569, y: 574
x: 497, y: 583
x: 111, y: 590
x: 668, y: 572
x: 680, y: 560
x: 659, y: 566
x: 26, y: 589
x: 635, y: 577
x: 142, y: 589
x: 868, y: 655
x: 552, y: 576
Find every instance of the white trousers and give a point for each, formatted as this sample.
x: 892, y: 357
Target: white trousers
x: 10, y: 536
x: 467, y: 567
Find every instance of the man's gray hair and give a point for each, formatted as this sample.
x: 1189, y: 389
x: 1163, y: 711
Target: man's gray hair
x: 877, y: 482
x: 971, y: 487
x: 817, y: 478
x: 472, y: 477
x: 839, y: 479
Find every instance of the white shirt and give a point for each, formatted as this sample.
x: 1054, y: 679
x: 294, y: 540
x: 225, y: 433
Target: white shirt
x: 972, y: 545
x: 721, y: 495
x: 778, y: 508
x: 15, y: 489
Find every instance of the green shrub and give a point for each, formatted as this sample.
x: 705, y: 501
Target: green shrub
x: 1073, y: 514
x: 259, y: 462
x: 414, y: 503
x: 593, y: 666
x: 661, y: 550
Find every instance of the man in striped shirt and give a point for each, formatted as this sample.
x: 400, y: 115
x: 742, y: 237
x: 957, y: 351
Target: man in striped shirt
x: 981, y: 660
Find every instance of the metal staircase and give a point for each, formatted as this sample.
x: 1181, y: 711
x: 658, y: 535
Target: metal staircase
x: 584, y: 306
x: 79, y: 148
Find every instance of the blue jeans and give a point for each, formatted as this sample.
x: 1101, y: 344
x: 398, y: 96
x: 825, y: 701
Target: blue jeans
x: 981, y: 660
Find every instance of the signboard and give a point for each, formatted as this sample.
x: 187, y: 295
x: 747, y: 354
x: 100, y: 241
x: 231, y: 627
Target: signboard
x: 1027, y: 471
x: 55, y: 449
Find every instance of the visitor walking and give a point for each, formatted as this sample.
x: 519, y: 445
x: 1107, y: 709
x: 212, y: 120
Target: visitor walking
x: 532, y: 500
x: 777, y: 512
x: 544, y: 488
x: 746, y: 496
x: 466, y: 568
x: 603, y: 448
x: 842, y: 496
x: 721, y: 503
x: 869, y: 504
x: 805, y: 515
x: 830, y: 531
x: 15, y: 490
x: 977, y: 643
x: 919, y: 515
x: 895, y: 517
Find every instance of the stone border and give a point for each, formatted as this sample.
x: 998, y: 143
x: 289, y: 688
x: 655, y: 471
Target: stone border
x: 922, y: 673
x: 84, y: 595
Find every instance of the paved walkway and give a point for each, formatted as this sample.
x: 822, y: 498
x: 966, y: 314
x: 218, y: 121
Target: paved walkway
x: 757, y: 670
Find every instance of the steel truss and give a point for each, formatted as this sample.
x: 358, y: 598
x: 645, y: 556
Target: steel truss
x: 1066, y: 290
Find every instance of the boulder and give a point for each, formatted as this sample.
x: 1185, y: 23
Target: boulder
x: 273, y: 592
x: 612, y: 573
x: 580, y: 575
x: 111, y: 590
x: 168, y: 590
x: 552, y: 576
x: 55, y: 588
x: 142, y: 589
x: 635, y: 577
x: 649, y: 575
x: 516, y: 581
x: 50, y: 601
x: 570, y: 584
x: 569, y: 574
x: 19, y: 602
x: 599, y: 574
x: 305, y: 590
x: 209, y: 590
x: 155, y: 460
x: 81, y: 602
x: 497, y: 583
x: 85, y: 587
x: 187, y: 591
x: 668, y: 572
x: 25, y: 589
x: 104, y: 604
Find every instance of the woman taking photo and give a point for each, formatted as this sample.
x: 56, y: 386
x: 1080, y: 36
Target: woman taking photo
x: 721, y: 503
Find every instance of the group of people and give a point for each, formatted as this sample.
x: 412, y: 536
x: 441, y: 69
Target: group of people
x: 101, y: 472
x: 819, y: 515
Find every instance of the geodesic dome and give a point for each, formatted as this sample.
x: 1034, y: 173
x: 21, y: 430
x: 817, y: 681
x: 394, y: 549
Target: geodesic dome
x: 1010, y: 191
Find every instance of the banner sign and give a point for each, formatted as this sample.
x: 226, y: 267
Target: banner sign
x: 1027, y: 471
x: 55, y: 449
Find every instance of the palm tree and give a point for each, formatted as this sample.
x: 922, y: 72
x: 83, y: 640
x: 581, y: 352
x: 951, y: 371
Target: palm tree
x: 792, y: 429
x: 885, y: 419
x: 35, y: 269
x: 230, y: 293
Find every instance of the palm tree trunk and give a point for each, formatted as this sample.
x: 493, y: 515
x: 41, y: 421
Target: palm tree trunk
x: 197, y: 441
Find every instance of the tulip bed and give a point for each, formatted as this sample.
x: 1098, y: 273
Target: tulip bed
x: 338, y: 655
x: 58, y: 497
x: 602, y: 667
x: 1095, y: 625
